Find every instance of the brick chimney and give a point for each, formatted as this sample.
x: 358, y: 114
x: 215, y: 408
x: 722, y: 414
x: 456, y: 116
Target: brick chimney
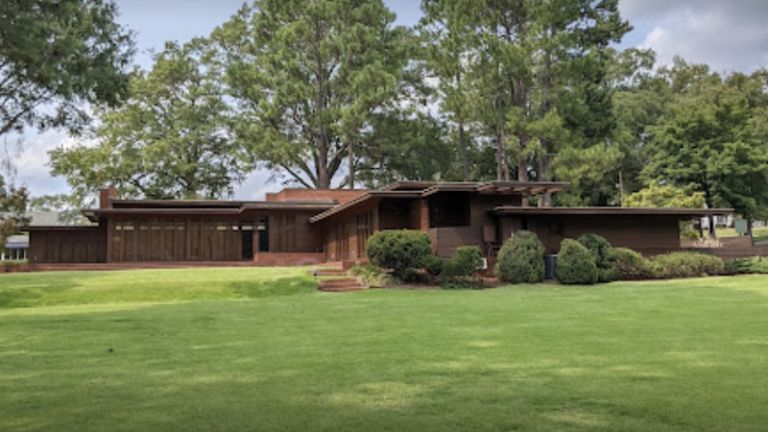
x: 106, y: 195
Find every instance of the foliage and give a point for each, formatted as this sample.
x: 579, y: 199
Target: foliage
x: 402, y: 251
x: 521, y: 259
x: 55, y: 58
x: 630, y: 265
x: 601, y: 250
x: 13, y: 206
x: 575, y: 264
x: 371, y: 275
x: 665, y: 195
x: 532, y: 75
x: 708, y: 139
x: 307, y: 76
x: 466, y: 262
x: 434, y: 265
x: 753, y: 265
x: 68, y: 207
x: 403, y: 146
x: 687, y: 264
x: 171, y: 139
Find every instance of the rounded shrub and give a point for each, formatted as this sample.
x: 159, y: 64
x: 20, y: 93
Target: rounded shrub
x: 688, y: 264
x: 601, y: 249
x: 402, y: 251
x: 521, y: 259
x: 630, y: 265
x: 575, y: 264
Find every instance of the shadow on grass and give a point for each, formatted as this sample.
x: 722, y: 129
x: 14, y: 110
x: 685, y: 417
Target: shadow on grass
x: 26, y: 289
x: 274, y: 287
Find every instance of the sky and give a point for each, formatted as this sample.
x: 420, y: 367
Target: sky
x: 728, y: 35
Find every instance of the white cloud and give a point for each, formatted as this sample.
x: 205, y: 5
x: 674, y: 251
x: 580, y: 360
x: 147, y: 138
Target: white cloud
x: 727, y: 35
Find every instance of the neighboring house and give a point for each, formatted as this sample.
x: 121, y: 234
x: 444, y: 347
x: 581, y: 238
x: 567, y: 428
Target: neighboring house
x: 15, y: 248
x: 297, y: 226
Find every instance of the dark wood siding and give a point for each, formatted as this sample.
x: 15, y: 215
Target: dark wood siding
x: 208, y: 239
x: 68, y: 245
x: 644, y: 233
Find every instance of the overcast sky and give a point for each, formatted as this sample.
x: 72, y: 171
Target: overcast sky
x: 729, y: 35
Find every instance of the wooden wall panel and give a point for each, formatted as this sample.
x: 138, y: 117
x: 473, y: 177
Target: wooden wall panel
x: 71, y: 245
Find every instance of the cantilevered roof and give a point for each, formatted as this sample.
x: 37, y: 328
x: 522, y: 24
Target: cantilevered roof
x: 423, y: 189
x: 202, y: 208
x: 618, y: 211
x: 481, y: 187
x: 365, y: 198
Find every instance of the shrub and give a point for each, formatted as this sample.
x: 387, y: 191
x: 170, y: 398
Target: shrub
x: 521, y: 259
x: 688, y: 264
x: 403, y: 251
x: 433, y: 264
x: 753, y: 265
x: 601, y: 250
x: 575, y: 264
x: 630, y: 265
x: 466, y: 262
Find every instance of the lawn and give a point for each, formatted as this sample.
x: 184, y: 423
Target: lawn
x: 260, y: 349
x: 760, y: 234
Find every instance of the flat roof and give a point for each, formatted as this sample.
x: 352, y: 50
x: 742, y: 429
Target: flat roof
x: 510, y: 210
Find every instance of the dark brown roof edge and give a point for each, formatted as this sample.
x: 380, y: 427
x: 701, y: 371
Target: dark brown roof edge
x: 58, y: 227
x: 612, y: 211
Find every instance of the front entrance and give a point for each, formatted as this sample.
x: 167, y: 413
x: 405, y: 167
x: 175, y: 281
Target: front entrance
x: 263, y: 228
x: 247, y: 233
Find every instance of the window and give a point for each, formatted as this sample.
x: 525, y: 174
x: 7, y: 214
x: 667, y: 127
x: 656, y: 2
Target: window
x: 449, y: 210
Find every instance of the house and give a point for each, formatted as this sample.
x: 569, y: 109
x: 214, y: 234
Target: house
x: 302, y: 226
x: 15, y: 248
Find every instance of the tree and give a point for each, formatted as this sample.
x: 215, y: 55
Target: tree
x: 307, y: 77
x: 13, y: 205
x: 405, y: 146
x: 447, y: 40
x: 665, y: 196
x: 68, y: 207
x: 57, y: 56
x: 536, y: 73
x: 171, y: 139
x: 709, y: 140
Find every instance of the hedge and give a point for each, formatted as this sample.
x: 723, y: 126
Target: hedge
x: 575, y: 264
x: 521, y: 259
x: 403, y: 251
x: 601, y: 251
x: 687, y: 264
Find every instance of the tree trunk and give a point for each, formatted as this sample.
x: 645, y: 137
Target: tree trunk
x: 463, y: 152
x: 749, y: 231
x: 712, y: 232
x: 502, y: 168
x: 545, y: 199
x: 351, y: 156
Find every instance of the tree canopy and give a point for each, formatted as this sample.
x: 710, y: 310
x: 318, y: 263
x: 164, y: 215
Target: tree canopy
x: 171, y: 139
x: 58, y: 56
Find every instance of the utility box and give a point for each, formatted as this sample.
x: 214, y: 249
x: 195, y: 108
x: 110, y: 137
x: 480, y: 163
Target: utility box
x: 550, y: 264
x: 741, y: 226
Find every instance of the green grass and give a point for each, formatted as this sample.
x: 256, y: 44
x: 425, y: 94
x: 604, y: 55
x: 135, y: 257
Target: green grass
x: 218, y: 350
x: 760, y: 234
